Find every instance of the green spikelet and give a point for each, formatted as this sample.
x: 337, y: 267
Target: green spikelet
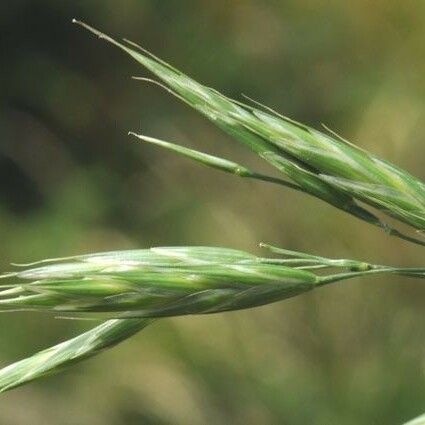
x: 324, y: 166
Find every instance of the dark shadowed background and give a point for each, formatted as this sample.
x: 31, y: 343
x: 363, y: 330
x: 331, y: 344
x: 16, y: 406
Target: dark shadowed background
x: 72, y: 181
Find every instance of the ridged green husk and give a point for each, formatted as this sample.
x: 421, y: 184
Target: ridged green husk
x: 155, y: 282
x: 322, y: 165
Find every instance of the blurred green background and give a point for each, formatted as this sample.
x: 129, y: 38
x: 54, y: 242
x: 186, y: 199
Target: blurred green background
x: 72, y: 182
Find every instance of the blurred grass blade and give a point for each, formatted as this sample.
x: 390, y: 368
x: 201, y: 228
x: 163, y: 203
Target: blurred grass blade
x: 65, y: 354
x: 420, y: 420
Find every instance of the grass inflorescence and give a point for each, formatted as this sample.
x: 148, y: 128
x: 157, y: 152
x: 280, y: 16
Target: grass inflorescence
x: 173, y: 281
x: 132, y: 288
x: 323, y: 165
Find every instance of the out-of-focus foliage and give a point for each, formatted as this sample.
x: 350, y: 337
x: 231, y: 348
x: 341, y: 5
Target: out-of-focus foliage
x: 73, y: 182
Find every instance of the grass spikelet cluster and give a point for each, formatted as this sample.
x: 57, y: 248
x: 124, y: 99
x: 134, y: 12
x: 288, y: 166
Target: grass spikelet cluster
x: 317, y: 163
x: 174, y: 281
x: 132, y: 288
